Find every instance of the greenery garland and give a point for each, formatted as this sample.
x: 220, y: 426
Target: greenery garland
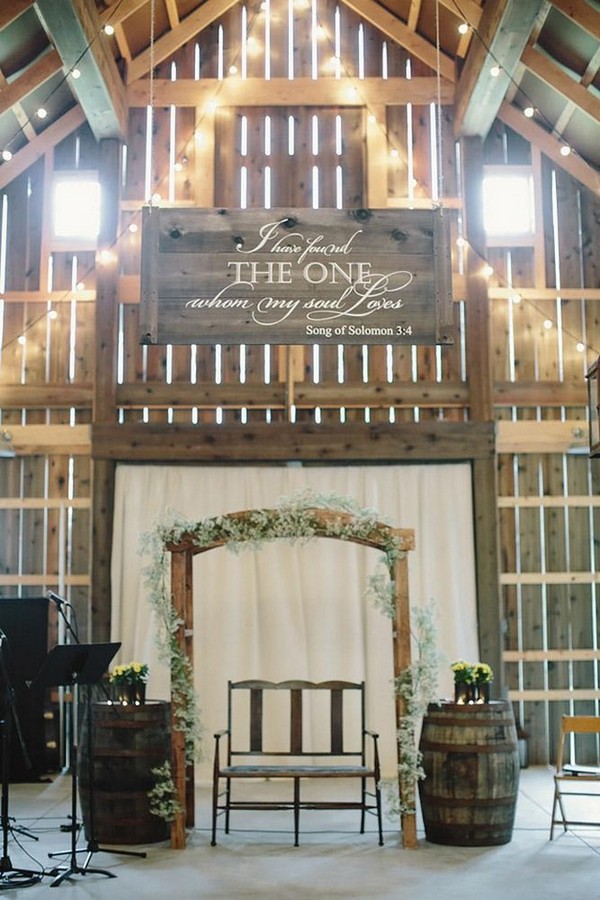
x: 293, y: 519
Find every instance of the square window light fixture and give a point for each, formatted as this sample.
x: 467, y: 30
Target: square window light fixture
x: 76, y: 208
x: 508, y: 207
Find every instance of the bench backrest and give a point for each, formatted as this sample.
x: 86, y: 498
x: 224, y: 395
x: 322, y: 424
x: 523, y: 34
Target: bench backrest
x: 336, y: 707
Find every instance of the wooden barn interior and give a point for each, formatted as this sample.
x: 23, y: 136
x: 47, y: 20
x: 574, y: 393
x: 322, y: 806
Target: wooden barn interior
x: 332, y: 105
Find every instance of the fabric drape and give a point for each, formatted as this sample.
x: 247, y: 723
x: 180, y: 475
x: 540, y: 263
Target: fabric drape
x: 291, y: 610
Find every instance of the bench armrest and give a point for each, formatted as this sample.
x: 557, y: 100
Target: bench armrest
x: 376, y: 765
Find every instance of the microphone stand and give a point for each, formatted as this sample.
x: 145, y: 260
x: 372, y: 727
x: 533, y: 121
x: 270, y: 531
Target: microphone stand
x: 9, y: 875
x: 92, y: 843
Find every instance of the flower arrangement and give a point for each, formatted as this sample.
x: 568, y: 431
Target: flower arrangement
x: 463, y: 672
x: 129, y: 673
x: 472, y: 681
x: 482, y: 673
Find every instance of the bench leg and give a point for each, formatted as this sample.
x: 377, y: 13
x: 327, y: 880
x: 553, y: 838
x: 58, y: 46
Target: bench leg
x: 378, y: 802
x: 215, y: 800
x: 363, y: 800
x: 227, y: 803
x: 296, y: 810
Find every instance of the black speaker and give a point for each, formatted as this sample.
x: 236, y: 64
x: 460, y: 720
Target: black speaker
x: 24, y: 622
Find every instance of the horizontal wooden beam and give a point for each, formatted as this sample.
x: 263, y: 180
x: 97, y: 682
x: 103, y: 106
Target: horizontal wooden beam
x: 34, y: 440
x: 45, y: 396
x: 545, y: 578
x: 540, y: 393
x: 284, y: 442
x: 235, y: 91
x: 562, y: 655
x: 546, y: 501
x: 541, y: 437
x: 351, y: 395
x: 45, y: 502
x: 274, y: 396
x: 537, y: 695
x: 44, y: 580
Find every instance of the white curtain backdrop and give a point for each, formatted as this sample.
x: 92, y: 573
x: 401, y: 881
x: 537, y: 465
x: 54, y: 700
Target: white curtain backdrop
x: 297, y: 611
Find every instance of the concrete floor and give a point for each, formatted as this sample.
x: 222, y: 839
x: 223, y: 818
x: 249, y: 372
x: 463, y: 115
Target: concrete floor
x: 333, y: 861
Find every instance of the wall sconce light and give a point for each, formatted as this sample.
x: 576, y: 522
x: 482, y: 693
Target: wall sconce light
x: 7, y: 450
x: 593, y: 411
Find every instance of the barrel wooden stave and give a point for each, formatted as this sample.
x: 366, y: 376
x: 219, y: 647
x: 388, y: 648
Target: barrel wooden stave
x: 471, y: 763
x: 127, y: 742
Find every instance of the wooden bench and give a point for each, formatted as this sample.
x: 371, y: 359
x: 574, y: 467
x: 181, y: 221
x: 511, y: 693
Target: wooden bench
x: 251, y: 708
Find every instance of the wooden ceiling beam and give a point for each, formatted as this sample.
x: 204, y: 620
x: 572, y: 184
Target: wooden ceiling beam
x: 392, y: 27
x: 413, y: 14
x: 550, y: 73
x: 502, y: 36
x: 117, y: 12
x: 587, y: 78
x: 37, y: 73
x: 49, y: 137
x: 282, y: 92
x: 585, y: 15
x: 12, y: 11
x: 73, y: 27
x: 549, y: 145
x: 188, y: 28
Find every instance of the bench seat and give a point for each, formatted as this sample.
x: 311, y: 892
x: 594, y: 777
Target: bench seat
x: 338, y: 761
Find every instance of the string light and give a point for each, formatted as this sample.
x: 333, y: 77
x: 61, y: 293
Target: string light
x: 463, y: 28
x: 529, y: 112
x: 565, y: 150
x: 495, y: 71
x: 109, y: 29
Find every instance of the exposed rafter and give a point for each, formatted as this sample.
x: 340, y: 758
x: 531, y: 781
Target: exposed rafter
x: 573, y: 91
x: 188, y: 28
x: 393, y: 28
x: 586, y: 15
x: 73, y: 27
x: 44, y: 142
x: 502, y: 36
x: 39, y: 72
x: 549, y: 145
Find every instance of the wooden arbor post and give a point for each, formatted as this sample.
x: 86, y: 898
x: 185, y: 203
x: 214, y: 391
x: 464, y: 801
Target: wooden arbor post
x: 182, y: 554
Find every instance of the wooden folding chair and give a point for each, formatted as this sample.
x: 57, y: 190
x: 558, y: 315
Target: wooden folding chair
x: 570, y: 773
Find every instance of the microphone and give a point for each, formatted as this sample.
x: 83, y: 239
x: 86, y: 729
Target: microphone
x: 55, y: 598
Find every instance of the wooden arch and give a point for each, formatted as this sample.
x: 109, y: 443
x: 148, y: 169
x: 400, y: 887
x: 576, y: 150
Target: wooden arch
x: 182, y: 554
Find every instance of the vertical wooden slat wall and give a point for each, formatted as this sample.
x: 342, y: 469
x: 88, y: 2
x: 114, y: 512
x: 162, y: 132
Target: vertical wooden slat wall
x: 542, y: 302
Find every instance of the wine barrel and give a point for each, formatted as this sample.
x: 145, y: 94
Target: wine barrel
x: 471, y: 763
x: 117, y: 755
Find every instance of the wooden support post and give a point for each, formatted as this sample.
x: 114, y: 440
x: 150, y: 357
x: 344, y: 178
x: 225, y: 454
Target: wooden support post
x: 104, y: 401
x: 477, y: 306
x: 181, y: 589
x: 402, y: 659
x: 482, y: 410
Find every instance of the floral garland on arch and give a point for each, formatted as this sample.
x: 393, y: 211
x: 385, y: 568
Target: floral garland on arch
x: 293, y: 519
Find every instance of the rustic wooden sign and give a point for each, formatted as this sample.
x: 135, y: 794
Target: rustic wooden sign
x: 296, y: 276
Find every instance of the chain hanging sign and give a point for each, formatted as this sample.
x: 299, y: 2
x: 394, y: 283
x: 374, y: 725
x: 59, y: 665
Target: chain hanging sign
x: 300, y: 276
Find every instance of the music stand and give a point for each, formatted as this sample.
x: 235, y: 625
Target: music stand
x: 71, y: 665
